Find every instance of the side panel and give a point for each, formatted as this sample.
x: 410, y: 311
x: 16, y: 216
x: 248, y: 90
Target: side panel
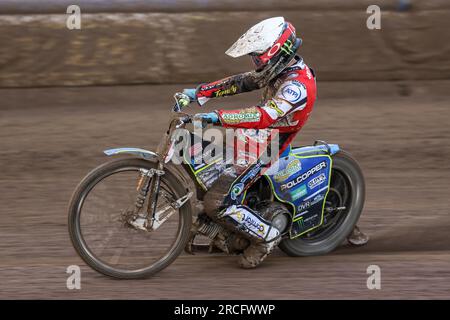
x: 205, y: 173
x: 303, y: 182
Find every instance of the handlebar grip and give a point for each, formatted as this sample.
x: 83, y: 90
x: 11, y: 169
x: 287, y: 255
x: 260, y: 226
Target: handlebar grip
x: 176, y: 107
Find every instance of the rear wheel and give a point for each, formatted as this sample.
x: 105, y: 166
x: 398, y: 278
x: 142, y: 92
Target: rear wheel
x: 347, y: 190
x: 99, y: 215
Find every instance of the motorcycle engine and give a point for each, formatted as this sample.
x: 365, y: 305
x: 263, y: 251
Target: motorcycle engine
x: 220, y: 238
x: 276, y: 213
x: 233, y: 243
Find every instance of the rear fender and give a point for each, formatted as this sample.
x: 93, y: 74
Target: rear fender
x: 330, y: 149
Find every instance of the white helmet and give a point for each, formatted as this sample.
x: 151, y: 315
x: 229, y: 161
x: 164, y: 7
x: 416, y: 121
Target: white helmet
x: 271, y: 42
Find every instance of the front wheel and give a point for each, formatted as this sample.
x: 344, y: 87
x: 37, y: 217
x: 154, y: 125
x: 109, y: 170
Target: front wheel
x: 347, y: 190
x: 99, y: 215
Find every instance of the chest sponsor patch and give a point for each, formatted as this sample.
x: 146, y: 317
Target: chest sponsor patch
x: 293, y: 92
x: 244, y: 115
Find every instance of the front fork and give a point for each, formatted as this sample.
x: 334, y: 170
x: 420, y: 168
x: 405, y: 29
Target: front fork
x: 154, y: 193
x: 149, y: 181
x: 150, y: 220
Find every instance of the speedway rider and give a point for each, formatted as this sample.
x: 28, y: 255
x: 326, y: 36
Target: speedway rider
x: 288, y: 99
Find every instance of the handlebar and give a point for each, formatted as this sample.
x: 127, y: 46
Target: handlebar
x: 181, y: 101
x: 190, y: 118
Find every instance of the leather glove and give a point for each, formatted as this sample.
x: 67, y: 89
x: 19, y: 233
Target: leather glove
x: 201, y: 119
x: 191, y: 93
x: 182, y: 101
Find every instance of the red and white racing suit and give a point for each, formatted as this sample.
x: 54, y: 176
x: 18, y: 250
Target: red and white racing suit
x: 287, y: 101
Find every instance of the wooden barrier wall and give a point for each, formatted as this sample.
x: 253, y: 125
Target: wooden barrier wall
x: 165, y: 42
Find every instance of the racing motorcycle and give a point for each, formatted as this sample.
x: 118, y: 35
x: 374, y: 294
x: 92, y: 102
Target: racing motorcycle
x: 132, y: 216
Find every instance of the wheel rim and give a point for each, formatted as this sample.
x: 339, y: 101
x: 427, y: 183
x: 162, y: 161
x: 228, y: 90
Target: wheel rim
x: 123, y: 248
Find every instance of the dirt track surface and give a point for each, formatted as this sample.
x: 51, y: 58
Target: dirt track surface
x: 51, y: 138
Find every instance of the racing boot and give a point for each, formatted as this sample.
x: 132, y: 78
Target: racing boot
x: 256, y: 253
x: 357, y: 238
x: 263, y: 236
